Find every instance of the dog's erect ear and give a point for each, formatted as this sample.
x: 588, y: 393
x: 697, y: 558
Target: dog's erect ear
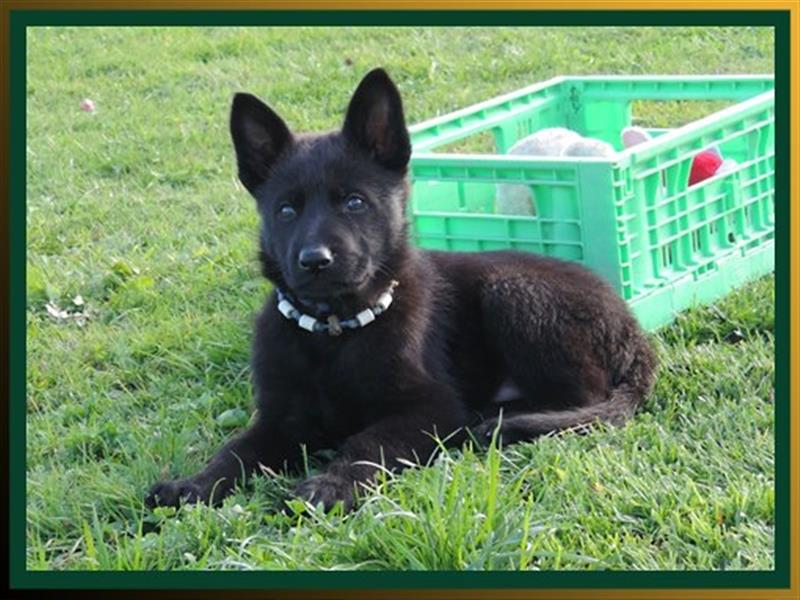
x: 259, y: 136
x: 375, y: 121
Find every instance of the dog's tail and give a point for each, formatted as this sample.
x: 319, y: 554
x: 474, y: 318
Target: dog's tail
x: 633, y: 382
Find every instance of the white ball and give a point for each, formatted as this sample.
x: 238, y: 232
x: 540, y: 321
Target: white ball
x: 515, y: 199
x: 588, y: 147
x: 632, y: 136
x: 545, y: 142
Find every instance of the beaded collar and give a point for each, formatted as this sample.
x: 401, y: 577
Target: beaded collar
x: 333, y: 324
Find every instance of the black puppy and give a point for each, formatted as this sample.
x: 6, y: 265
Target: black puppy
x: 371, y: 346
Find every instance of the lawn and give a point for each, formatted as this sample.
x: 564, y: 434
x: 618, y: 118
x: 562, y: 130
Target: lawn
x: 142, y: 286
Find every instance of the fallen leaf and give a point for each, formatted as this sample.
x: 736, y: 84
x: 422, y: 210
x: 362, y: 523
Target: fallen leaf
x: 55, y: 311
x: 234, y: 417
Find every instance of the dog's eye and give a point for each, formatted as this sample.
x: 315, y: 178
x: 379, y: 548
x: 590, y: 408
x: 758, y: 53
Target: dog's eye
x: 355, y: 204
x: 286, y: 212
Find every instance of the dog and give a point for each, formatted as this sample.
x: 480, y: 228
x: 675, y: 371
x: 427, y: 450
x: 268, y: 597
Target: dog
x: 373, y: 347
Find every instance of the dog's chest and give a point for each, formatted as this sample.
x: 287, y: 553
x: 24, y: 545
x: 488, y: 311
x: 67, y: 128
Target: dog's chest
x: 339, y: 397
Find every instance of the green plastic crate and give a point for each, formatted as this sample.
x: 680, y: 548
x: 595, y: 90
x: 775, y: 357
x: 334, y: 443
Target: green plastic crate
x: 632, y: 217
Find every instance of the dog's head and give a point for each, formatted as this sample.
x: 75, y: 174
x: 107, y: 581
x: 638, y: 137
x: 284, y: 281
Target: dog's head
x: 332, y: 205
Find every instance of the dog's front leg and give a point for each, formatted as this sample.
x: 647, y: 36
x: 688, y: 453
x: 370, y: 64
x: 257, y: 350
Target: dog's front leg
x: 267, y: 442
x: 388, y: 443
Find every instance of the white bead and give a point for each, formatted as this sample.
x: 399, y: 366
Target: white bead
x: 307, y: 322
x: 365, y: 317
x: 385, y: 300
x: 285, y: 307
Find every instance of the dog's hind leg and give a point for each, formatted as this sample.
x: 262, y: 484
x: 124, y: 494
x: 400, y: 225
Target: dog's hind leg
x: 615, y: 409
x: 577, y: 358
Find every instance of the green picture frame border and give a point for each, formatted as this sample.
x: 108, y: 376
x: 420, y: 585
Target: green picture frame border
x: 19, y: 18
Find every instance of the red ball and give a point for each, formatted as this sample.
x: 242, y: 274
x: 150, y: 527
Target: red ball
x: 704, y: 165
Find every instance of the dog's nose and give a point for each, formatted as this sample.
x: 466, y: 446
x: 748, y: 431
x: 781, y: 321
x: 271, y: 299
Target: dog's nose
x: 315, y: 258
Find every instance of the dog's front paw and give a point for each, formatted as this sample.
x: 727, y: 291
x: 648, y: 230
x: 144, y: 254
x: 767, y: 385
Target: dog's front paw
x: 174, y: 493
x: 327, y: 489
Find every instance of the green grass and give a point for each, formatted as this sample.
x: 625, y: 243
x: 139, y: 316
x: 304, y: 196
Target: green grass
x: 136, y: 209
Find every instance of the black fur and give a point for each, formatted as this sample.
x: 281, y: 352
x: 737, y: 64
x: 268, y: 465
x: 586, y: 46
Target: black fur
x: 546, y: 340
